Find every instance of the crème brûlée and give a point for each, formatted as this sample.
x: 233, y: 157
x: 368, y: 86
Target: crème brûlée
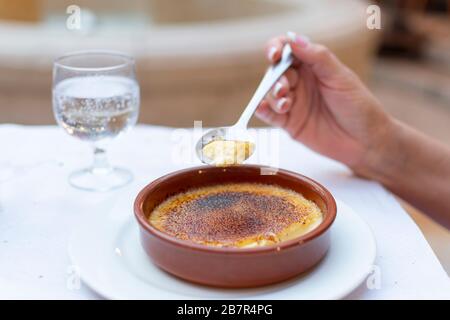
x: 228, y: 152
x: 236, y: 215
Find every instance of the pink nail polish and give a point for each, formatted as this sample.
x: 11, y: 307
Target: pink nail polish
x: 277, y: 89
x: 281, y: 104
x: 291, y: 35
x: 271, y: 53
x: 302, y: 41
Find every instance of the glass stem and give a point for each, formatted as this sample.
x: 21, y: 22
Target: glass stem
x: 101, y: 164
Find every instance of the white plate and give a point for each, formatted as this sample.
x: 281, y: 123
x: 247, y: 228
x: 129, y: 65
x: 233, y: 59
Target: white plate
x: 111, y: 261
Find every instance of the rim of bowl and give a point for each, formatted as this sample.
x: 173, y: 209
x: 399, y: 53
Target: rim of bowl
x: 320, y: 229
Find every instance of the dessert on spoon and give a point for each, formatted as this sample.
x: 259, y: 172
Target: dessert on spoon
x: 232, y: 145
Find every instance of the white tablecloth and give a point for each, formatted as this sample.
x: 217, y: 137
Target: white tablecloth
x: 38, y: 208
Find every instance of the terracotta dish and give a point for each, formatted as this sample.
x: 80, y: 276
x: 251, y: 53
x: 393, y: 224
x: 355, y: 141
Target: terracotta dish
x: 228, y: 266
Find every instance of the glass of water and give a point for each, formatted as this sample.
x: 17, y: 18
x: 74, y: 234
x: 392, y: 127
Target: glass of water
x: 95, y: 98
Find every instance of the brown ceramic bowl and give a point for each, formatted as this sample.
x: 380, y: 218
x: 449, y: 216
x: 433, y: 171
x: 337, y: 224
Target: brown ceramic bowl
x: 233, y: 267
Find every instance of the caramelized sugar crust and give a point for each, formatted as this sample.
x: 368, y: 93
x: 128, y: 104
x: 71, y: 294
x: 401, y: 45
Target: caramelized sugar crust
x: 236, y: 215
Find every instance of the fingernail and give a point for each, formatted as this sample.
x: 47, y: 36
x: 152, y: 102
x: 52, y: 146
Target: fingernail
x: 272, y: 52
x: 276, y: 89
x: 291, y: 35
x: 281, y: 103
x: 261, y: 112
x: 302, y: 40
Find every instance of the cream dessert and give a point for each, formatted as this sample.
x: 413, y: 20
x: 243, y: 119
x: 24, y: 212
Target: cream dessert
x: 239, y: 215
x: 228, y: 152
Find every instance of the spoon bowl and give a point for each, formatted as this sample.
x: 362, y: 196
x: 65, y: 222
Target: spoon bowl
x: 231, y: 134
x: 208, y: 137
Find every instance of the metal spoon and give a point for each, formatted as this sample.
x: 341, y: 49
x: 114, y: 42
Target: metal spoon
x: 238, y: 131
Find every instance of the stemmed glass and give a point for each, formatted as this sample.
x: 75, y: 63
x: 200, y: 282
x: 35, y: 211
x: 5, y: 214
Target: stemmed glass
x: 95, y: 98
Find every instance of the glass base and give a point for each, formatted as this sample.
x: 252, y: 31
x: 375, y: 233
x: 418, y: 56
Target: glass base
x: 89, y: 180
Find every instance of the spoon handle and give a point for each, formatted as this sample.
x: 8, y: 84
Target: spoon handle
x: 271, y: 76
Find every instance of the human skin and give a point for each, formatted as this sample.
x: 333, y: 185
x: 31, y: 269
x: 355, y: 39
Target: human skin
x: 321, y: 103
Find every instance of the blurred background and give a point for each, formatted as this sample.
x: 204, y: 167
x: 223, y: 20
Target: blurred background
x: 202, y: 59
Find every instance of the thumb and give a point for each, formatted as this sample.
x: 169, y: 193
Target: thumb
x: 322, y: 61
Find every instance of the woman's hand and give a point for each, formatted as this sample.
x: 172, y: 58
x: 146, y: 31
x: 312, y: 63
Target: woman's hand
x: 324, y: 105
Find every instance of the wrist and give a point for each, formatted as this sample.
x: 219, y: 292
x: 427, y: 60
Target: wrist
x: 384, y: 157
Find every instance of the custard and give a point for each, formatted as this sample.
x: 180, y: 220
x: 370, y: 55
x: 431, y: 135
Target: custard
x: 228, y: 152
x: 236, y: 215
